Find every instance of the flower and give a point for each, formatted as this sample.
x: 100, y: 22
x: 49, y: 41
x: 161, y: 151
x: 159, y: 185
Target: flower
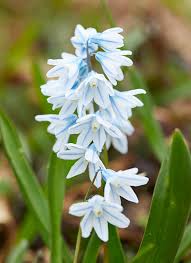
x: 97, y: 213
x: 81, y: 42
x: 109, y: 39
x: 118, y: 184
x: 59, y: 125
x: 87, y: 157
x: 70, y: 67
x: 111, y: 62
x: 95, y: 87
x: 122, y: 103
x: 93, y: 127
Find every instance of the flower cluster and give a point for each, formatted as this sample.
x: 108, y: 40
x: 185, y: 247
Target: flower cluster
x: 98, y: 114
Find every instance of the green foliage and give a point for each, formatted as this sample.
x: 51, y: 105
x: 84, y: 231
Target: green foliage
x: 57, y: 172
x: 152, y: 128
x: 170, y: 206
x: 92, y: 249
x: 115, y: 250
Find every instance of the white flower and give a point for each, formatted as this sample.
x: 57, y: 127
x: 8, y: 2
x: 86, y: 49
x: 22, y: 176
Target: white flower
x: 69, y: 66
x: 81, y: 42
x: 111, y: 63
x: 118, y: 184
x: 109, y: 39
x: 122, y: 103
x: 87, y: 157
x: 97, y: 213
x: 95, y: 87
x: 93, y: 127
x: 59, y: 125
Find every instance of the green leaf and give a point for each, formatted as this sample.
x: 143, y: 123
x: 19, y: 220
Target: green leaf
x: 26, y: 179
x: 185, y: 244
x: 115, y: 250
x: 152, y: 128
x: 92, y: 249
x: 57, y: 172
x: 18, y: 252
x: 170, y: 206
x: 39, y: 80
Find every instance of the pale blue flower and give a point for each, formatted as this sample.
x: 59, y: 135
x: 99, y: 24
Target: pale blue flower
x: 81, y: 42
x: 93, y: 127
x: 69, y: 66
x: 111, y: 63
x: 97, y: 213
x: 86, y: 157
x: 95, y: 87
x: 122, y: 103
x: 118, y: 184
x: 109, y: 39
x: 59, y: 126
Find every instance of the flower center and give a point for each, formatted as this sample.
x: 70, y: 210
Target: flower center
x: 93, y: 83
x: 95, y: 126
x: 98, y: 211
x: 116, y: 182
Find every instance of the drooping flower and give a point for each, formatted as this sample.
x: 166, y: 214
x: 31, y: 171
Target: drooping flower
x: 93, y: 127
x: 87, y: 157
x: 81, y: 42
x: 109, y: 39
x: 97, y: 213
x: 111, y: 62
x: 118, y: 184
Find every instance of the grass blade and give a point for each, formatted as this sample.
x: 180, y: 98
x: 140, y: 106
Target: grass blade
x: 18, y: 252
x: 57, y: 172
x: 185, y: 244
x: 170, y: 206
x: 92, y: 249
x: 26, y: 179
x: 115, y: 250
x: 152, y: 128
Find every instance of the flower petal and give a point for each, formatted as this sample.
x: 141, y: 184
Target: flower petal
x: 78, y: 168
x: 87, y: 224
x: 80, y: 209
x: 116, y: 218
x: 101, y: 228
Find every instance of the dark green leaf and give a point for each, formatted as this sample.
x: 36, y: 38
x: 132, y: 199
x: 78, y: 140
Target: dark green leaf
x: 185, y: 244
x: 115, y: 250
x: 92, y: 249
x: 26, y: 179
x: 152, y: 128
x: 170, y: 206
x: 57, y: 172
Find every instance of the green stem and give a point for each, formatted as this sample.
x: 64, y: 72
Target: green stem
x: 79, y: 236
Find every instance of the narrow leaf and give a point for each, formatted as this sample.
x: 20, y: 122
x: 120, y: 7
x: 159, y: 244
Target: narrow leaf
x: 26, y: 179
x: 115, y: 250
x: 152, y: 128
x: 92, y: 249
x: 170, y: 206
x: 18, y: 252
x: 57, y: 172
x: 185, y: 244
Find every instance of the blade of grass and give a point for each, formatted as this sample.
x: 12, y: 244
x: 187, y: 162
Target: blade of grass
x: 57, y: 172
x: 26, y: 179
x: 185, y: 244
x: 115, y: 250
x: 152, y: 128
x: 28, y: 183
x: 170, y: 206
x: 39, y: 80
x: 92, y: 249
x: 18, y: 252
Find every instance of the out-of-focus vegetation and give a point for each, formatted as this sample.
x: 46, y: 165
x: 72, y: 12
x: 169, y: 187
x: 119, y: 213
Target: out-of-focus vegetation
x: 159, y: 33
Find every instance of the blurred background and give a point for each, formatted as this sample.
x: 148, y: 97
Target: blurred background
x: 158, y: 33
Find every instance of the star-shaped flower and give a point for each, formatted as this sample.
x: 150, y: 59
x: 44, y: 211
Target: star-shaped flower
x: 118, y: 184
x: 97, y: 213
